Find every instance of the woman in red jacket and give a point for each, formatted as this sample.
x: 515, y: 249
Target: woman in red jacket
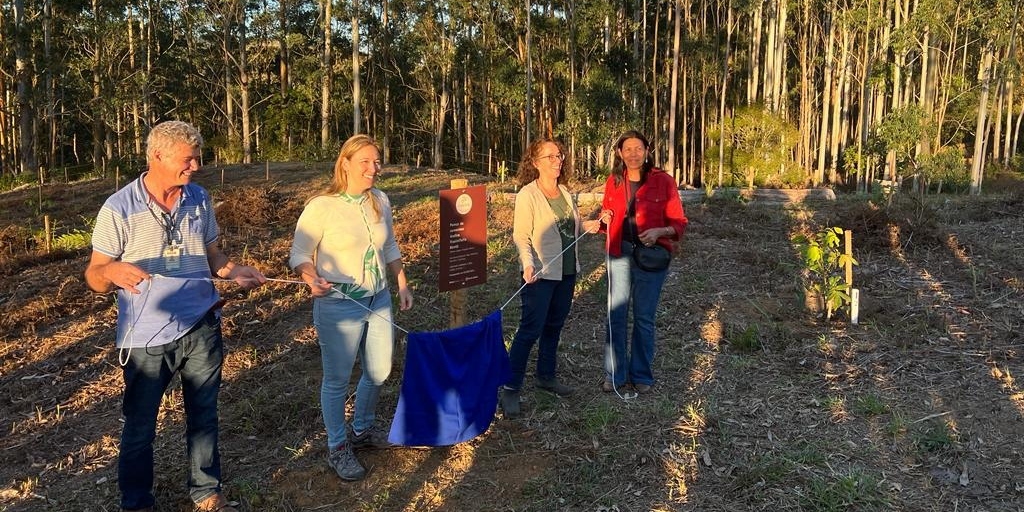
x: 642, y: 207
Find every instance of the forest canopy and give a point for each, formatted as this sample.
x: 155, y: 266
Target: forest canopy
x: 731, y: 92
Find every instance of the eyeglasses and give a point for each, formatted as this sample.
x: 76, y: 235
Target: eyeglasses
x: 552, y: 158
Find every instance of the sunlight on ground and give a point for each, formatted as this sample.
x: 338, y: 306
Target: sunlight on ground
x: 680, y: 459
x: 447, y: 476
x: 712, y: 331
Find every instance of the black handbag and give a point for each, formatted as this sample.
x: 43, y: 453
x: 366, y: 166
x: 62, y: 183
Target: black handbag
x: 652, y: 258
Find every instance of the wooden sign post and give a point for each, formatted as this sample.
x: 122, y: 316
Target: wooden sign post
x: 463, y: 244
x: 854, y: 293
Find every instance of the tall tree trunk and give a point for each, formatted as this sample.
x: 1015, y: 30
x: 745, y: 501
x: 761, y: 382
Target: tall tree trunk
x: 229, y: 99
x: 284, y: 69
x: 98, y: 135
x: 356, y: 94
x: 754, y: 48
x: 673, y: 108
x: 985, y: 79
x: 824, y: 135
x: 243, y: 79
x: 49, y: 85
x: 528, y: 118
x: 723, y: 85
x: 23, y: 102
x: 806, y: 98
x: 779, y: 94
x: 440, y: 115
x: 325, y: 80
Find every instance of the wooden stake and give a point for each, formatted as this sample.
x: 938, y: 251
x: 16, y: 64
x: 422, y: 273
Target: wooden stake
x: 457, y: 315
x: 47, y: 234
x: 854, y: 293
x: 849, y: 257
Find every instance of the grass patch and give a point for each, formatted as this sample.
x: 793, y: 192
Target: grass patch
x: 855, y: 491
x: 897, y: 425
x: 870, y: 405
x: 936, y: 437
x: 765, y: 471
x: 809, y: 454
x: 598, y: 418
x: 746, y: 340
x: 836, y: 407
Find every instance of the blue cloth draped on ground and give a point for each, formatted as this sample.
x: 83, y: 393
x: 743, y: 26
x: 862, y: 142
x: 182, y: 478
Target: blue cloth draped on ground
x: 450, y: 384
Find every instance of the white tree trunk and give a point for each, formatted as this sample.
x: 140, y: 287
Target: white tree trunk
x: 325, y: 80
x: 356, y: 100
x: 978, y: 161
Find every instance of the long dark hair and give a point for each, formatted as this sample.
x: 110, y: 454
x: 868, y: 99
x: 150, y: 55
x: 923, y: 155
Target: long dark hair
x: 619, y: 167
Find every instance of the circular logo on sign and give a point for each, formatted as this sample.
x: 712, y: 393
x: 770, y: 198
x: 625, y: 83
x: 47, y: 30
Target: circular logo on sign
x: 463, y: 204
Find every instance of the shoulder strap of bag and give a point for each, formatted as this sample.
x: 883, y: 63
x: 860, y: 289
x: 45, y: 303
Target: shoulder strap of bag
x: 631, y: 211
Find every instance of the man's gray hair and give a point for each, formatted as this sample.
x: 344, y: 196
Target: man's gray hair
x: 168, y: 133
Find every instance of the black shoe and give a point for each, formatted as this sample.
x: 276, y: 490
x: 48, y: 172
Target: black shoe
x: 553, y: 386
x: 510, y: 401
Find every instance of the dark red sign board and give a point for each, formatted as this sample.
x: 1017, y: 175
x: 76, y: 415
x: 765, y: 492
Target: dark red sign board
x: 463, y: 238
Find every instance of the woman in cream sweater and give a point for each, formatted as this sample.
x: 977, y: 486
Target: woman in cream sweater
x: 546, y: 222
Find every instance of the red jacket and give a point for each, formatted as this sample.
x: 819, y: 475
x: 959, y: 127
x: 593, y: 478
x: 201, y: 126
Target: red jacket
x: 657, y: 205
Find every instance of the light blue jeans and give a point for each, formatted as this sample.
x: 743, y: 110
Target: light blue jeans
x: 628, y: 283
x: 347, y: 329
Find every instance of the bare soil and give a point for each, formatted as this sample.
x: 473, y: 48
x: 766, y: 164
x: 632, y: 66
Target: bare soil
x: 761, y: 404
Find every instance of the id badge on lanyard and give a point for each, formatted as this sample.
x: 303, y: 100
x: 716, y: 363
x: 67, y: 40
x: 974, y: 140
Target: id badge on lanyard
x: 172, y: 257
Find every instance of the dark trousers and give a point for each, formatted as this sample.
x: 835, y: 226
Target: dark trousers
x: 546, y: 304
x: 198, y: 356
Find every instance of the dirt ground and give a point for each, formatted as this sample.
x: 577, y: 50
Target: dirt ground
x: 760, y: 403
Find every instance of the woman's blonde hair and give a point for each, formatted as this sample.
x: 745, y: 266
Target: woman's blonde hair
x: 339, y: 183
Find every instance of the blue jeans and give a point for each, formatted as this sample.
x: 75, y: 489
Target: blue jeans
x: 347, y: 329
x: 626, y: 283
x: 197, y: 356
x: 546, y: 304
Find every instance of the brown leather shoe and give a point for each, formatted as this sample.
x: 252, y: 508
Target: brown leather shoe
x: 216, y: 503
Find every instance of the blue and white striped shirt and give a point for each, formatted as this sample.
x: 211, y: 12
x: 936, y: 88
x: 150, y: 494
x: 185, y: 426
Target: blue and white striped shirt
x: 133, y: 229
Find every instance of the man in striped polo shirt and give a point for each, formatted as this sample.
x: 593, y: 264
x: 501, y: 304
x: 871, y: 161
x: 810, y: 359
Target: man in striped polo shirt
x: 156, y: 243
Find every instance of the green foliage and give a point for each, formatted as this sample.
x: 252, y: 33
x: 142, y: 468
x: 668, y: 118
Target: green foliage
x: 870, y: 405
x: 13, y: 181
x: 824, y: 263
x: 946, y: 167
x: 226, y: 151
x: 594, y: 111
x: 854, y: 491
x: 1017, y: 163
x: 502, y: 171
x: 73, y: 241
x: 902, y: 129
x: 747, y: 340
x: 936, y: 437
x: 598, y: 418
x: 758, y: 147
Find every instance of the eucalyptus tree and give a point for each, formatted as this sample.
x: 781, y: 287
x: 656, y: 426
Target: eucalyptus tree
x: 327, y: 77
x: 23, y: 80
x: 434, y: 32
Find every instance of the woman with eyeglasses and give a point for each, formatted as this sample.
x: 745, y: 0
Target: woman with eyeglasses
x: 546, y: 222
x: 641, y: 212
